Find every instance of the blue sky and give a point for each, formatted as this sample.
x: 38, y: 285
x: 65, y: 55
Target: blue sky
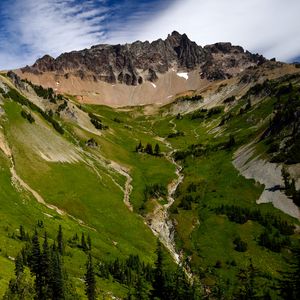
x: 31, y: 28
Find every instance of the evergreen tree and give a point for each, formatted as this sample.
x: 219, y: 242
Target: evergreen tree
x: 83, y: 242
x: 141, y: 289
x: 149, y: 149
x: 35, y: 265
x: 60, y: 245
x: 139, y: 147
x: 46, y: 268
x: 19, y: 265
x: 231, y: 142
x: 89, y: 242
x: 22, y: 233
x: 21, y: 288
x: 159, y: 276
x: 57, y: 275
x: 90, y: 281
x: 182, y: 287
x: 290, y: 282
x: 247, y: 287
x: 286, y: 179
x: 156, y: 150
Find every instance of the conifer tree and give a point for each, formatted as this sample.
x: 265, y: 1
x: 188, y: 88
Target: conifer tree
x: 35, y: 265
x: 156, y: 150
x: 247, y: 287
x: 22, y: 233
x: 141, y: 289
x: 46, y: 269
x: 90, y: 281
x: 60, y: 245
x: 57, y: 275
x: 159, y: 276
x: 19, y: 265
x: 149, y: 149
x: 290, y: 282
x: 89, y: 242
x: 83, y: 242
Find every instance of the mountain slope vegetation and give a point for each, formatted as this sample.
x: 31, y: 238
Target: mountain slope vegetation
x: 213, y: 175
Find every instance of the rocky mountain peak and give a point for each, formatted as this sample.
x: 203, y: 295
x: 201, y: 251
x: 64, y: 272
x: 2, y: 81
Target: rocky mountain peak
x: 135, y: 63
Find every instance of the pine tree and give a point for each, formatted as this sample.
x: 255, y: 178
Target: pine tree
x: 90, y: 281
x: 35, y: 265
x: 46, y: 268
x: 139, y: 147
x: 83, y: 242
x: 156, y: 150
x: 141, y: 289
x: 286, y: 179
x: 89, y: 242
x: 149, y: 149
x: 290, y: 282
x: 159, y: 276
x: 182, y: 286
x: 231, y: 142
x: 60, y: 245
x: 19, y: 265
x: 57, y: 275
x: 247, y: 287
x: 22, y: 233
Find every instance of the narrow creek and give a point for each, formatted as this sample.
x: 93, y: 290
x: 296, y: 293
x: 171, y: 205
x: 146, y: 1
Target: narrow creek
x: 159, y: 220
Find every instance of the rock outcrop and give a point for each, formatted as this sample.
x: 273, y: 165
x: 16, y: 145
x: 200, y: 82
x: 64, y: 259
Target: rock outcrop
x: 133, y: 64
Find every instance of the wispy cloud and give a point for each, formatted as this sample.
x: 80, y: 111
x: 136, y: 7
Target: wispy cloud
x: 271, y: 27
x: 32, y: 28
x: 49, y: 26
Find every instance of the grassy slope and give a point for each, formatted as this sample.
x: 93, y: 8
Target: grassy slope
x: 75, y: 188
x: 205, y: 236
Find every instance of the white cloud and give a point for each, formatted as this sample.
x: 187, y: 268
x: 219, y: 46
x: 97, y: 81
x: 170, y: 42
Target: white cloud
x: 271, y: 27
x: 50, y: 27
x: 37, y: 27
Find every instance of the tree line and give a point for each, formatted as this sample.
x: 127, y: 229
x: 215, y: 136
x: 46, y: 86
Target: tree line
x: 45, y: 262
x: 140, y: 148
x: 48, y: 116
x: 97, y: 122
x: 276, y: 232
x: 290, y: 187
x: 45, y: 93
x: 145, y: 281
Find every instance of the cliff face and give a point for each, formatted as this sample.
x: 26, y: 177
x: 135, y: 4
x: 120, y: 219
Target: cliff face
x: 133, y: 64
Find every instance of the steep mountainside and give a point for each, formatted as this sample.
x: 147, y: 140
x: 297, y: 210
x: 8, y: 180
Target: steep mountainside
x: 195, y: 198
x: 120, y: 75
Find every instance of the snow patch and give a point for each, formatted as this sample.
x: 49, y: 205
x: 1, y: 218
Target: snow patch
x: 183, y: 75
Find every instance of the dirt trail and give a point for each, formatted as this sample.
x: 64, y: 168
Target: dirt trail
x: 128, y: 187
x: 18, y: 181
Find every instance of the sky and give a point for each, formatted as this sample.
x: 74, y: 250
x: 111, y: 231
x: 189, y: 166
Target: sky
x: 30, y: 29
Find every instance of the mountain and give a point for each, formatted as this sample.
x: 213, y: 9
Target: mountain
x: 192, y: 196
x: 131, y: 74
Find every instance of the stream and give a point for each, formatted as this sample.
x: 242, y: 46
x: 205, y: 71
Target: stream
x: 159, y: 220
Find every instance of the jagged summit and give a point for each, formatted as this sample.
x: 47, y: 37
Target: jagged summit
x: 135, y: 63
